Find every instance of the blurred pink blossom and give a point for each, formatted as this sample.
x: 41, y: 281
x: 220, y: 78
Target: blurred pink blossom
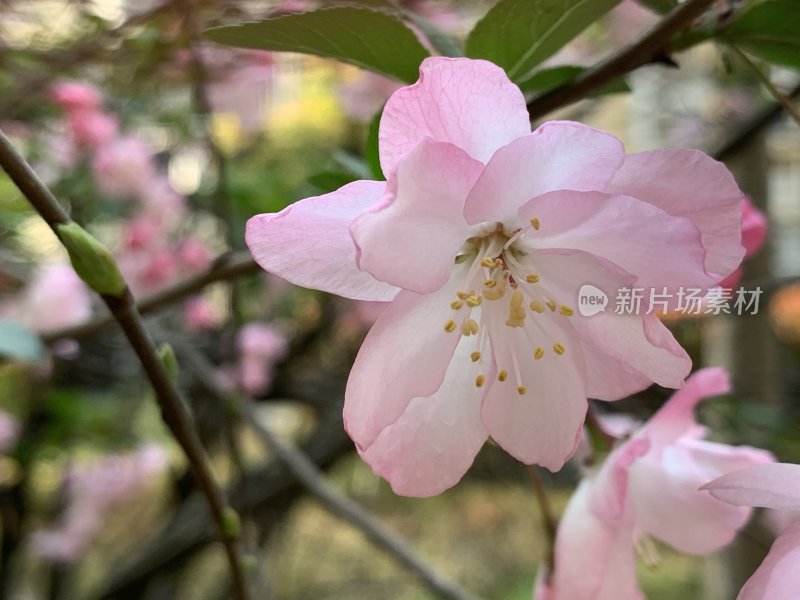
x: 9, y: 431
x: 260, y: 347
x: 648, y: 487
x: 76, y: 95
x: 123, y: 168
x: 195, y: 254
x: 362, y: 98
x: 92, y: 129
x: 54, y: 298
x: 92, y: 490
x: 199, y: 314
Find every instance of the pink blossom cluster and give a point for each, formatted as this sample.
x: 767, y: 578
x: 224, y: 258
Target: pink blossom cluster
x: 153, y: 250
x: 260, y: 346
x: 91, y: 491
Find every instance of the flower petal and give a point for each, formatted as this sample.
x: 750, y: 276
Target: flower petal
x: 609, y: 496
x: 670, y: 507
x: 410, y: 239
x: 559, y: 155
x: 676, y: 417
x: 778, y: 577
x: 594, y: 558
x: 404, y: 356
x: 469, y: 103
x: 689, y: 183
x: 628, y: 232
x: 771, y: 486
x: 433, y: 443
x: 309, y: 242
x: 543, y: 425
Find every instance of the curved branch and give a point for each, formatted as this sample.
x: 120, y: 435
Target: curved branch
x: 652, y: 48
x: 125, y: 313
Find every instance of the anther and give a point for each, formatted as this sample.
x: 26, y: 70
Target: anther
x: 455, y: 305
x: 521, y: 390
x: 474, y: 301
x: 535, y: 223
x: 502, y: 375
x: 462, y: 295
x: 479, y: 380
x: 490, y: 283
x: 470, y: 327
x: 536, y: 306
x: 551, y: 305
x: 516, y: 310
x: 487, y: 262
x: 475, y: 356
x: 538, y: 353
x: 532, y: 278
x: 566, y: 311
x: 450, y: 326
x: 558, y: 348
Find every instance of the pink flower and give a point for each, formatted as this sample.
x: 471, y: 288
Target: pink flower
x: 199, y: 314
x: 772, y: 486
x: 260, y: 347
x: 123, y: 169
x: 754, y: 232
x: 648, y: 486
x: 9, y: 431
x: 75, y: 95
x: 53, y: 285
x: 194, y: 254
x: 92, y: 129
x: 482, y: 237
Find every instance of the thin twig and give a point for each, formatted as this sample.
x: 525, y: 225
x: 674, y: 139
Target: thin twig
x: 228, y: 266
x: 653, y: 47
x: 310, y: 476
x: 781, y: 98
x: 548, y: 515
x: 124, y: 311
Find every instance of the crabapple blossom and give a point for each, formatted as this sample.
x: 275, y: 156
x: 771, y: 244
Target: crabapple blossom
x: 771, y: 486
x: 648, y: 488
x: 481, y: 237
x: 52, y: 285
x: 260, y: 347
x: 754, y: 232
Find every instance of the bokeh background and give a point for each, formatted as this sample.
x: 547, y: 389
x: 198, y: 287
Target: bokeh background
x: 162, y: 145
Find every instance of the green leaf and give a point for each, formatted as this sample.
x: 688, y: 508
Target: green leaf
x: 547, y: 80
x: 19, y: 342
x: 770, y: 30
x: 366, y: 38
x: 659, y: 6
x: 371, y: 154
x: 520, y: 34
x: 329, y: 181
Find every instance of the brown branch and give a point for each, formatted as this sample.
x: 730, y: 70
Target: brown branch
x: 313, y: 480
x: 548, y: 515
x: 653, y: 47
x: 124, y: 311
x: 228, y: 266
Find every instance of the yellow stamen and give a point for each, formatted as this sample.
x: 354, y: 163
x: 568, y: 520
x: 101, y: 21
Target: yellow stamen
x: 495, y: 293
x: 475, y: 356
x: 532, y: 278
x: 502, y: 375
x: 558, y: 348
x: 450, y: 326
x: 516, y: 310
x: 537, y: 307
x: 521, y: 390
x: 470, y: 327
x: 474, y: 301
x: 465, y: 330
x: 490, y: 283
x: 538, y: 353
x: 479, y: 380
x: 551, y: 304
x: 456, y: 304
x: 535, y: 223
x: 487, y: 262
x: 566, y: 311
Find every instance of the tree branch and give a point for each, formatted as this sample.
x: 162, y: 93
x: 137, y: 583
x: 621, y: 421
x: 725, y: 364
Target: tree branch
x: 313, y: 480
x: 227, y: 266
x: 653, y: 47
x: 123, y: 309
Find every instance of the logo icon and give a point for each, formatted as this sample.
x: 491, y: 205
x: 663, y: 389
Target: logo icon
x: 591, y: 300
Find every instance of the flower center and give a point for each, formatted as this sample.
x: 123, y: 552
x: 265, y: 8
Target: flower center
x: 501, y: 299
